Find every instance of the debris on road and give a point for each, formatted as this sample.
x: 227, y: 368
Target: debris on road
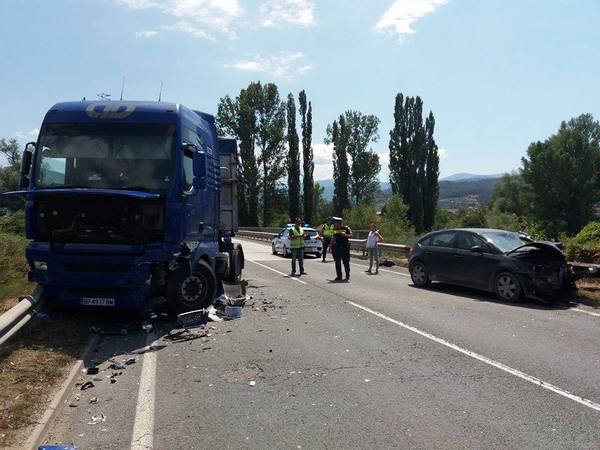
x: 97, y: 419
x: 147, y: 327
x: 87, y: 385
x: 91, y: 371
x: 58, y: 447
x: 94, y: 400
x: 193, y: 319
x: 117, y: 366
x: 233, y: 312
x: 129, y: 361
x: 252, y: 383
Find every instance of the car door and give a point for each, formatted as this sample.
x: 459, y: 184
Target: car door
x: 472, y: 268
x: 438, y: 255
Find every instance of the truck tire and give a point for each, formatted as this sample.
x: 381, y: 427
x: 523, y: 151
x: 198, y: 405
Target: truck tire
x: 191, y: 292
x: 236, y: 264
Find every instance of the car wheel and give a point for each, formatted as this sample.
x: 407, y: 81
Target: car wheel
x: 318, y: 255
x: 189, y: 293
x: 286, y: 252
x: 273, y: 249
x: 420, y: 275
x: 507, y: 287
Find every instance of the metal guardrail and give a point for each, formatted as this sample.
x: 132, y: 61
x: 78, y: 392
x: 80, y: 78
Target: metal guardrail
x: 355, y: 244
x: 16, y: 317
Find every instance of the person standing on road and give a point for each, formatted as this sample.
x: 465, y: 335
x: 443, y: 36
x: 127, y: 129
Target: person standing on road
x: 297, y: 236
x: 373, y: 248
x: 340, y: 248
x: 327, y: 232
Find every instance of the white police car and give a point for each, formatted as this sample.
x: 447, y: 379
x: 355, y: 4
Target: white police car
x: 312, y: 245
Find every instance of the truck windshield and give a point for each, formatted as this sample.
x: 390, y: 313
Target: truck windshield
x: 106, y: 156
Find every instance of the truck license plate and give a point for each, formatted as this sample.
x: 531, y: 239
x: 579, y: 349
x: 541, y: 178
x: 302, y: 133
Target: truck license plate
x: 97, y: 301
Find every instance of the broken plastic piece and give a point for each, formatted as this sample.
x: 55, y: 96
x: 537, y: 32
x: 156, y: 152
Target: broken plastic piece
x: 94, y: 400
x: 147, y: 327
x: 91, y: 370
x: 129, y: 361
x: 87, y: 385
x: 97, y: 419
x: 58, y: 447
x: 252, y: 383
x: 117, y: 366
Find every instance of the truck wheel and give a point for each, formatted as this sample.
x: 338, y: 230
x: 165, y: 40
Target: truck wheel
x: 189, y: 293
x: 236, y: 263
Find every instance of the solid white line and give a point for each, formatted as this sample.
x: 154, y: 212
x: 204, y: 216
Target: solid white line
x: 143, y: 428
x: 276, y: 271
x: 382, y: 270
x: 585, y: 312
x: 491, y: 362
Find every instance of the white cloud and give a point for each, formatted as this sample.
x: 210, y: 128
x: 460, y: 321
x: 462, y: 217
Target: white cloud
x: 147, y: 34
x: 442, y: 153
x: 284, y: 65
x: 400, y: 16
x: 30, y: 135
x: 200, y: 18
x: 277, y: 13
x: 322, y: 153
x: 186, y: 27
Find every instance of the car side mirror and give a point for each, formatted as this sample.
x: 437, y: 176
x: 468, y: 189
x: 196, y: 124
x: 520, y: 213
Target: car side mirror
x: 478, y: 249
x: 26, y: 160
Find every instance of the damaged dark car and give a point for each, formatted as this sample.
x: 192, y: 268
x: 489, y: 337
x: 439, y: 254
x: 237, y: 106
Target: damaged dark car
x: 506, y: 263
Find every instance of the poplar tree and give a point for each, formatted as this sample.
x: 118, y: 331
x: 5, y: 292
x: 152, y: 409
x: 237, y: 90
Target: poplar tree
x: 308, y: 165
x: 293, y: 160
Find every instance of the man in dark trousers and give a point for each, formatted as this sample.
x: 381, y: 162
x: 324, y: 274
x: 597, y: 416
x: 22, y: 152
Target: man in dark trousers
x: 340, y: 248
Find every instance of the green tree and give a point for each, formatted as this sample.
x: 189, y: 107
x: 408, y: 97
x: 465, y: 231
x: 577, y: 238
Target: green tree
x: 307, y: 156
x: 257, y: 119
x: 473, y: 217
x: 361, y: 131
x: 9, y: 174
x: 564, y: 175
x: 395, y: 225
x: 323, y: 208
x: 512, y: 195
x: 293, y: 160
x: 431, y: 187
x: 237, y: 118
x: 337, y: 135
x: 361, y: 216
x: 414, y: 160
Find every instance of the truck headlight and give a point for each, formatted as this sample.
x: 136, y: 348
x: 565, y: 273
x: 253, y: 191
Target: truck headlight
x: 40, y: 265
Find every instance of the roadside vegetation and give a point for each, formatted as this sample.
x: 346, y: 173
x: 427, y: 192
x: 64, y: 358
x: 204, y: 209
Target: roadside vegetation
x: 37, y: 359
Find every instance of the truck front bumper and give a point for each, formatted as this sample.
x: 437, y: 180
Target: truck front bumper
x: 107, y: 277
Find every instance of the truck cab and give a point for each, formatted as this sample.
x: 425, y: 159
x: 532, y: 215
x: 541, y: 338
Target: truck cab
x: 131, y: 200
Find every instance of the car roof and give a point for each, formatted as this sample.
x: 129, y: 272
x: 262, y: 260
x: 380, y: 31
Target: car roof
x: 475, y: 230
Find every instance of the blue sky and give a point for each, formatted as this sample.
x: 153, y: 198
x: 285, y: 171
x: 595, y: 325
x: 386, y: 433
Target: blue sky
x: 497, y: 74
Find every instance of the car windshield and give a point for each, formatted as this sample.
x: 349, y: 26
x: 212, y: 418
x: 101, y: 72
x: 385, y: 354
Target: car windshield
x: 105, y: 156
x: 505, y: 240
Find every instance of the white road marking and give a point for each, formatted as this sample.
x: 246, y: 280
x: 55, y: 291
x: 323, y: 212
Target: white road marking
x: 382, y: 270
x: 143, y: 428
x: 491, y: 362
x: 585, y: 312
x: 276, y: 271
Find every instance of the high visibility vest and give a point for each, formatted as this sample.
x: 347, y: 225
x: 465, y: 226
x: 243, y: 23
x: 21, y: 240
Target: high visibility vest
x: 297, y: 240
x: 328, y: 230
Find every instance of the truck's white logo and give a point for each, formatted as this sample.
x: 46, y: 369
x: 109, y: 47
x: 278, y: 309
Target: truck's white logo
x: 110, y: 111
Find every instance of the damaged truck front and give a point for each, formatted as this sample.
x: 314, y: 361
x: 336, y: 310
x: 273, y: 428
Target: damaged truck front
x: 131, y: 200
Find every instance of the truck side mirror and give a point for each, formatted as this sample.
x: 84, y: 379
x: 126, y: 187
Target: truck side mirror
x: 200, y: 170
x: 26, y: 165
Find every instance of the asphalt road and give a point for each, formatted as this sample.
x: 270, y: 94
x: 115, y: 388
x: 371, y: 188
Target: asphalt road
x: 374, y: 363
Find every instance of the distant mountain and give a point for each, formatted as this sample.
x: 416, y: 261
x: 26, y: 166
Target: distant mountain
x: 470, y: 176
x: 327, y: 186
x: 463, y: 191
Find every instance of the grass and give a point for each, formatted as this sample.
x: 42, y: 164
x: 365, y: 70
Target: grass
x: 38, y: 358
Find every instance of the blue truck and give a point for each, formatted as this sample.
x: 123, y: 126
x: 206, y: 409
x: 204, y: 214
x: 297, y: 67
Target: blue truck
x: 127, y: 201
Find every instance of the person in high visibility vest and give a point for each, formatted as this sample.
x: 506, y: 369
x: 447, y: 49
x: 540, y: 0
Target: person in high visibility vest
x: 340, y: 248
x: 297, y: 236
x: 327, y: 231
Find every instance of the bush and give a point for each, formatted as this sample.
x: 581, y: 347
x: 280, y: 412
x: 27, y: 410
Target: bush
x: 13, y: 265
x: 585, y: 246
x: 13, y: 223
x: 361, y: 216
x: 395, y: 226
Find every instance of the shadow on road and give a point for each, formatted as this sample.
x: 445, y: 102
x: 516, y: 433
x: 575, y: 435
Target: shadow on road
x: 482, y: 296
